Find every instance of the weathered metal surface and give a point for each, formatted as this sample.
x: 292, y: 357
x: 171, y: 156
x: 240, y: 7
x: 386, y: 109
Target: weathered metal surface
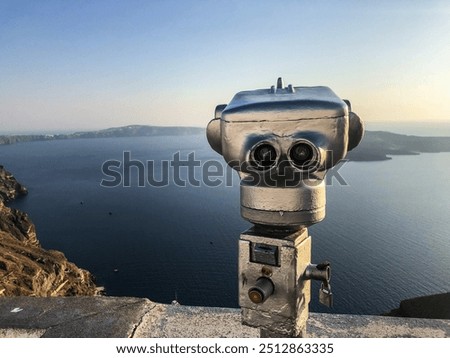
x: 298, y: 206
x: 282, y: 141
x: 286, y: 309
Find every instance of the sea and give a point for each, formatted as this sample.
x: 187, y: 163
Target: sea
x: 386, y: 231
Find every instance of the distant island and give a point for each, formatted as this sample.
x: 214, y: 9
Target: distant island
x: 375, y: 146
x: 126, y: 131
x: 379, y: 145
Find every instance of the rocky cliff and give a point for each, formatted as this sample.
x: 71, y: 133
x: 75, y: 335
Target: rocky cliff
x: 10, y: 188
x: 26, y: 269
x: 433, y: 306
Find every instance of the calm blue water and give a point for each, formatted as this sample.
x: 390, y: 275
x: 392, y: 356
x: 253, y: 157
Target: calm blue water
x: 386, y: 233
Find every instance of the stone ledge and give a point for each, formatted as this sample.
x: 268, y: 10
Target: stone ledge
x: 121, y: 317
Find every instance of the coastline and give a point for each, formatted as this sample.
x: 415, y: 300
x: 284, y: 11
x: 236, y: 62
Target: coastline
x: 27, y: 269
x: 375, y: 146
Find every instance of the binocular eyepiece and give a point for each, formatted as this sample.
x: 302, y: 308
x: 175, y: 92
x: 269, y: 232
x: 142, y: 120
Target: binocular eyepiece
x: 282, y: 141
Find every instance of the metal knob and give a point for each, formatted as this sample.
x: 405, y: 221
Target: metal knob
x: 261, y: 291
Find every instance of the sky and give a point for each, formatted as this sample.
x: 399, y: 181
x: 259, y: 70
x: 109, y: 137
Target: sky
x: 79, y: 65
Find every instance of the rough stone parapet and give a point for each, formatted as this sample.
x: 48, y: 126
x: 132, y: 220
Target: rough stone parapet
x: 122, y: 317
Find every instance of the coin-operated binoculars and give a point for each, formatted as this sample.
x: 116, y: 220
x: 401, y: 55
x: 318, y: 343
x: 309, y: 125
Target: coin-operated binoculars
x: 282, y: 141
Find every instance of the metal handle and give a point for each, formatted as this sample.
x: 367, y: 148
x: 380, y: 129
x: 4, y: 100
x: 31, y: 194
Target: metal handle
x: 321, y: 272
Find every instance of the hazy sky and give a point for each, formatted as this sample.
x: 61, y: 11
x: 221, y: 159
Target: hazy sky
x: 69, y: 65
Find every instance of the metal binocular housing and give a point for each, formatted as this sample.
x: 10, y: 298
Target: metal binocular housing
x: 282, y: 141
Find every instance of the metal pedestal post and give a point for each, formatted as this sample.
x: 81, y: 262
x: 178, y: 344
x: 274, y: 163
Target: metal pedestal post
x: 272, y: 292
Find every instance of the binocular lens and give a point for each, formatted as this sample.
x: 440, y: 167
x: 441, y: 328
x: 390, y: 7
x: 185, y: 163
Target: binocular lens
x: 303, y: 156
x: 265, y: 156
